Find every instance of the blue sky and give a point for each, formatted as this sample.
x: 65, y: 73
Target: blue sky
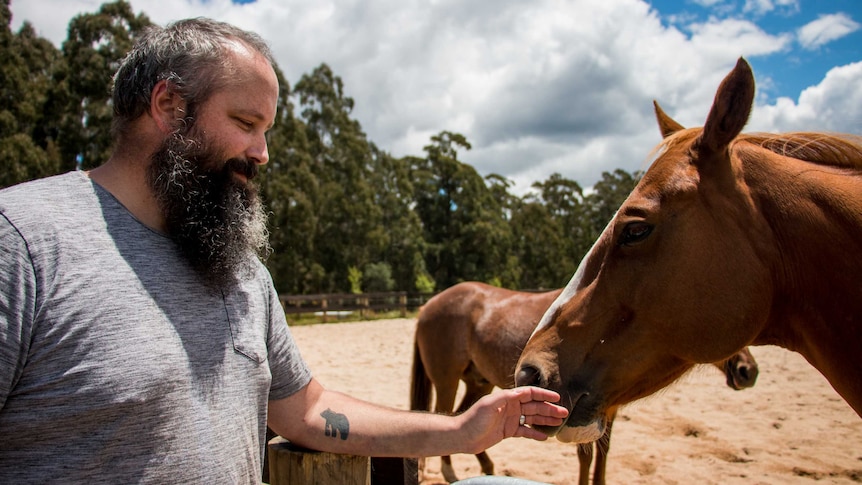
x: 799, y: 66
x: 545, y: 86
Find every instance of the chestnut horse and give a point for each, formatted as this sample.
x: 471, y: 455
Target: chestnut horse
x: 728, y: 240
x: 475, y: 332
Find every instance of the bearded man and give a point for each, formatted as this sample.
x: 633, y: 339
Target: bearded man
x: 141, y: 337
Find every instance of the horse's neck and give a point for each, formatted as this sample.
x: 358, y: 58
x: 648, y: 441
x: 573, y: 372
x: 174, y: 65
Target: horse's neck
x: 815, y: 214
x: 816, y: 218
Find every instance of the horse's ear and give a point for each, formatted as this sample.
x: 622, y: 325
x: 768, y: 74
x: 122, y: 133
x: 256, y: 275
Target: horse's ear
x: 730, y: 109
x: 666, y: 124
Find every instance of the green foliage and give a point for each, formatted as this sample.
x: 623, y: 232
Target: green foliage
x: 96, y: 44
x: 378, y: 278
x: 608, y: 195
x: 27, y: 143
x: 22, y: 160
x: 464, y: 224
x: 424, y: 283
x: 337, y: 202
x: 291, y: 191
x: 349, y: 223
x: 542, y: 247
x: 354, y: 276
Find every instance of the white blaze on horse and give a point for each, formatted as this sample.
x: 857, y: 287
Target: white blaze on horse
x: 728, y: 240
x: 474, y: 332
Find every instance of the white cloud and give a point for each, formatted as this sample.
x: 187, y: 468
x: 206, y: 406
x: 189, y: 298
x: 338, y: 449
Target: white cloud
x: 833, y: 105
x: 707, y: 3
x: 50, y: 18
x: 537, y: 87
x: 826, y: 29
x: 762, y: 7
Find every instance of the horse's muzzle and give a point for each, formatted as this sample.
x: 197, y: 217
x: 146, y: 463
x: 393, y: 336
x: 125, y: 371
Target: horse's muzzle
x: 570, y: 432
x: 582, y: 434
x: 585, y: 423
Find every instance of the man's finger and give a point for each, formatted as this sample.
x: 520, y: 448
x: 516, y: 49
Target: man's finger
x: 543, y: 409
x: 527, y: 432
x: 530, y: 393
x: 544, y: 420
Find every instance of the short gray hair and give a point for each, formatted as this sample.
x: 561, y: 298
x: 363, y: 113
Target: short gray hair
x: 192, y: 54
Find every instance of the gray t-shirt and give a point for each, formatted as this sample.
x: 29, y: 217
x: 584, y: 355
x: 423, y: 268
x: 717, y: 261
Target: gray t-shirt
x: 116, y: 364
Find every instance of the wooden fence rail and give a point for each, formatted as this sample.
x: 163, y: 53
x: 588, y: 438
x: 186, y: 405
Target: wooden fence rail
x: 335, y: 304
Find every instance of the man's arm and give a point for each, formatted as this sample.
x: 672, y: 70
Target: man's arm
x: 324, y: 420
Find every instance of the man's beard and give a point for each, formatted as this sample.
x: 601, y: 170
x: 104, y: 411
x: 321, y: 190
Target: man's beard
x: 217, y: 221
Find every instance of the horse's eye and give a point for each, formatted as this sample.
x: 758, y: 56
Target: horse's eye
x: 635, y: 232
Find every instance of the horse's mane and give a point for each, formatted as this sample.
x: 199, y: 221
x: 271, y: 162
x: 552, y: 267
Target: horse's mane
x: 834, y: 149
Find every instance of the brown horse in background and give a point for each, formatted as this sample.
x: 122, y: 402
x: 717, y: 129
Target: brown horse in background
x: 475, y: 332
x: 728, y: 240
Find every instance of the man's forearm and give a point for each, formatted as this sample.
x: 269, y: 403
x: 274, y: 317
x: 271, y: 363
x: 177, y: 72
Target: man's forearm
x: 341, y: 424
x: 331, y: 421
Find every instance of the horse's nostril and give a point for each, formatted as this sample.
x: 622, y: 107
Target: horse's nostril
x: 527, y: 375
x: 749, y: 373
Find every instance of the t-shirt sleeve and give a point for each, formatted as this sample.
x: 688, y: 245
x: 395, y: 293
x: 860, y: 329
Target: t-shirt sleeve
x: 17, y: 305
x: 290, y: 373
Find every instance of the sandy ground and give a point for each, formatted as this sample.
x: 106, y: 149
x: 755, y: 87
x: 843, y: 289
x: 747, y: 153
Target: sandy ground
x: 790, y: 428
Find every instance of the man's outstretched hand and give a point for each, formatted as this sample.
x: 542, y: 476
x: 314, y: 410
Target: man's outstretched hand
x: 511, y: 413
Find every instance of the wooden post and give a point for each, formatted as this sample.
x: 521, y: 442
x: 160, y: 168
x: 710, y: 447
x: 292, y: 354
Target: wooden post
x: 293, y: 465
x: 323, y: 308
x: 402, y: 302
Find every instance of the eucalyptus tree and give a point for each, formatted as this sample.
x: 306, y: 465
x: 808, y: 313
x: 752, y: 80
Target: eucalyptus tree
x: 542, y: 244
x: 559, y: 223
x: 499, y: 187
x: 607, y: 195
x: 464, y: 226
x: 510, y: 269
x: 95, y: 45
x: 291, y: 191
x: 27, y: 64
x: 565, y: 200
x: 405, y: 245
x: 349, y: 230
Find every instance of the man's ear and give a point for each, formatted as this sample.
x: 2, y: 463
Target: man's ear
x: 167, y: 107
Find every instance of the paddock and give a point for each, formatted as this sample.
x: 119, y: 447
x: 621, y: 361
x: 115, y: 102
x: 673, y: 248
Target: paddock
x: 791, y: 428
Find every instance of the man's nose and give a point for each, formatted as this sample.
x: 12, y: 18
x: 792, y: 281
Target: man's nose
x: 259, y: 152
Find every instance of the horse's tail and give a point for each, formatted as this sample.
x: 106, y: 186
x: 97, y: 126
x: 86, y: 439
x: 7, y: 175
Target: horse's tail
x: 420, y: 384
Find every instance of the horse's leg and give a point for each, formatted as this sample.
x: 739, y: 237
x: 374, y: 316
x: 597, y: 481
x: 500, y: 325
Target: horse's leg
x: 477, y: 386
x: 444, y: 404
x: 585, y: 458
x: 447, y: 470
x: 603, y: 445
